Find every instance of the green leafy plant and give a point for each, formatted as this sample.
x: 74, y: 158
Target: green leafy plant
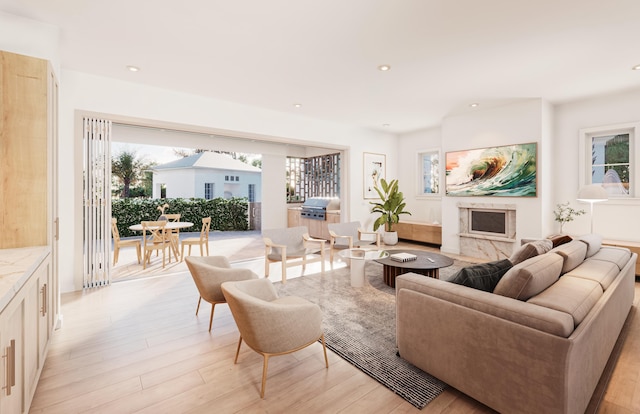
x: 391, y: 206
x: 564, y: 213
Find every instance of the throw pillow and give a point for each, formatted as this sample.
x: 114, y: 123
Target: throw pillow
x: 483, y: 276
x: 559, y: 239
x: 529, y: 250
x: 530, y: 277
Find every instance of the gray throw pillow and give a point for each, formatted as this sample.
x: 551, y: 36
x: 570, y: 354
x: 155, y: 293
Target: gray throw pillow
x: 483, y: 276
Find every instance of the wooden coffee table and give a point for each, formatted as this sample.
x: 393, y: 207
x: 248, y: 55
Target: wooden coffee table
x: 426, y: 264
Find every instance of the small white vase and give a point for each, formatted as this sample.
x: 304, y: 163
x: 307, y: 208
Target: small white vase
x: 390, y: 238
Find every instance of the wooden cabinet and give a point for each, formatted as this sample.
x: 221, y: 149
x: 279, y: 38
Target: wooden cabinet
x: 633, y: 246
x: 317, y: 228
x: 421, y: 232
x: 28, y: 277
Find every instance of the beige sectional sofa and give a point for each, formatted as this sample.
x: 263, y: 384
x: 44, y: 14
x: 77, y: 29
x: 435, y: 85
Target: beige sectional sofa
x: 538, y: 343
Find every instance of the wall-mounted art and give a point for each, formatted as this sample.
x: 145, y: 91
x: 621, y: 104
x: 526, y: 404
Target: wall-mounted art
x: 373, y: 169
x: 509, y: 171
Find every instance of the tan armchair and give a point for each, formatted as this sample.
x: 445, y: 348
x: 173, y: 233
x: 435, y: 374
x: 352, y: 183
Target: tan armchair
x: 291, y: 246
x: 118, y: 243
x: 272, y: 325
x: 349, y: 236
x: 208, y: 274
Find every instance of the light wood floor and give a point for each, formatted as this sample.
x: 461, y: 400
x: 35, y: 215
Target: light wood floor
x: 137, y: 347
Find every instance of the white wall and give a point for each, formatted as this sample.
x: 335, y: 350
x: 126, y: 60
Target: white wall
x: 619, y: 220
x: 515, y: 123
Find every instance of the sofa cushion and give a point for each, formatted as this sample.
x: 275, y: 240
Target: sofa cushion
x: 593, y: 241
x: 573, y: 295
x: 529, y: 250
x: 618, y: 255
x: 484, y: 276
x: 599, y: 271
x: 573, y: 254
x: 530, y: 277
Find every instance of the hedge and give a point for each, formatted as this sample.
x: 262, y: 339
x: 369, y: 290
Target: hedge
x: 229, y: 215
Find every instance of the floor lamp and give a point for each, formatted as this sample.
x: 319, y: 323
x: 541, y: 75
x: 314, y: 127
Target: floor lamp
x: 593, y: 193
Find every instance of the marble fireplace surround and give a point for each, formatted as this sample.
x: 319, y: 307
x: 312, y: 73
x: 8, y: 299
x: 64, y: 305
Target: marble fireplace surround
x: 486, y: 246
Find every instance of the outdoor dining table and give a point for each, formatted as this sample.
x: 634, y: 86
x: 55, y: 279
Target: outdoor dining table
x: 171, y: 225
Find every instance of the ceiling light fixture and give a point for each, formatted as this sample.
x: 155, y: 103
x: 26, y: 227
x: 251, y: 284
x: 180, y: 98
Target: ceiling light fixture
x: 133, y: 68
x: 386, y: 125
x: 636, y: 67
x: 384, y: 68
x: 474, y: 105
x: 297, y: 105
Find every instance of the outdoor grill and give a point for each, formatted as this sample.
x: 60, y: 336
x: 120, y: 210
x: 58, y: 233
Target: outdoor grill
x: 316, y: 208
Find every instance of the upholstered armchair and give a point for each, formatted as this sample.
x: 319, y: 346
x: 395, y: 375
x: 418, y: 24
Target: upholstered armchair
x: 272, y: 325
x: 209, y: 272
x: 291, y: 246
x: 349, y: 236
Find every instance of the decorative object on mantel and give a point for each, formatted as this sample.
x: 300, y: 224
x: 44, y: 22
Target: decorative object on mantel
x: 564, y: 213
x: 508, y: 171
x: 594, y: 193
x: 161, y: 209
x: 390, y: 208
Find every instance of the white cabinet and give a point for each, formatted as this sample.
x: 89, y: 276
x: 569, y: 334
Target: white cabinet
x: 25, y: 325
x: 11, y: 343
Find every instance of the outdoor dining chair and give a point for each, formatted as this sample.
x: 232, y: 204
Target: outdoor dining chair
x: 118, y: 242
x: 202, y: 240
x: 154, y: 238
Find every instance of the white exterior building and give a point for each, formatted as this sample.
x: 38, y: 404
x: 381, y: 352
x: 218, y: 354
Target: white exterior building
x: 207, y: 175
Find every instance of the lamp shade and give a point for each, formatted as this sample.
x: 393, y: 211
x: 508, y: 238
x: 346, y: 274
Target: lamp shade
x: 593, y: 193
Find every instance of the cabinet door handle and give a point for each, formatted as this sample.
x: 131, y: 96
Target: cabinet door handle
x: 10, y: 373
x: 43, y: 309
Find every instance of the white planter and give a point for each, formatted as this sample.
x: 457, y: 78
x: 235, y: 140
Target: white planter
x: 390, y: 238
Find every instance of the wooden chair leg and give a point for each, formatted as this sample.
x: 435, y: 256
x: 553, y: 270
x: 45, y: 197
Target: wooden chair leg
x: 324, y: 349
x: 207, y: 246
x: 116, y: 250
x: 235, y: 361
x: 198, y: 307
x: 213, y: 307
x: 138, y: 252
x: 264, y: 374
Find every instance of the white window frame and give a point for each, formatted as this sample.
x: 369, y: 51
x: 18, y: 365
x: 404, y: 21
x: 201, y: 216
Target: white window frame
x: 586, y: 135
x: 420, y: 173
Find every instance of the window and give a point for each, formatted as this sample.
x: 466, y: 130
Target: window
x: 252, y: 193
x: 209, y: 191
x: 608, y: 158
x: 429, y: 169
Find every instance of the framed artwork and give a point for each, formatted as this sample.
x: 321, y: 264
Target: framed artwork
x: 373, y: 169
x: 508, y: 171
x: 429, y: 170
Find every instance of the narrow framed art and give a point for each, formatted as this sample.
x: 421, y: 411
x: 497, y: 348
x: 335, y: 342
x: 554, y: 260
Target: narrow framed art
x: 508, y: 171
x: 373, y: 169
x: 429, y: 169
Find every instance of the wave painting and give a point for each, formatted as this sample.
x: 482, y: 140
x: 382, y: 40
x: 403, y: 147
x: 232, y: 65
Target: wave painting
x: 508, y: 171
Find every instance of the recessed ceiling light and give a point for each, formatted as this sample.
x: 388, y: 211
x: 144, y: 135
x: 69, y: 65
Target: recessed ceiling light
x: 384, y: 68
x: 297, y: 105
x: 133, y: 68
x: 474, y: 105
x: 636, y: 67
x: 386, y: 125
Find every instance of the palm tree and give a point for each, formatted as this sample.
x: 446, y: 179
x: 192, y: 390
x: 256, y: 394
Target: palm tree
x: 127, y: 168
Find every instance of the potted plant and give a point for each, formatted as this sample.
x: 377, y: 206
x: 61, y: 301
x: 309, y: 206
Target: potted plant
x: 390, y: 207
x: 565, y: 213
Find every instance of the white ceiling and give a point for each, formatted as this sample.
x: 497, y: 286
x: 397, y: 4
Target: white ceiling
x: 445, y: 54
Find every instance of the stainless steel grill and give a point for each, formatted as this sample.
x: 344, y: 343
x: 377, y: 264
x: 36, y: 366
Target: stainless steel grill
x: 316, y: 208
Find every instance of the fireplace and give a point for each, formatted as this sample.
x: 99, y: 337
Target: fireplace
x: 487, y: 231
